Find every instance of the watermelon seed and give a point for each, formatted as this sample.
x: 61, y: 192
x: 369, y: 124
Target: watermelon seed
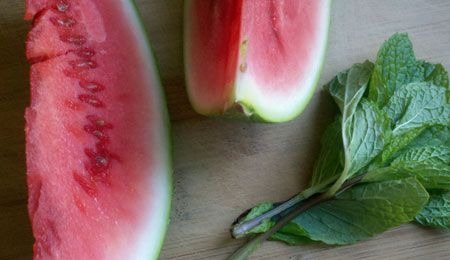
x: 64, y: 21
x: 62, y: 6
x: 92, y: 86
x: 86, y: 53
x: 83, y: 64
x: 73, y: 39
x: 99, y: 122
x: 243, y: 67
x: 91, y: 100
x: 95, y: 131
x: 101, y: 161
x: 99, y: 134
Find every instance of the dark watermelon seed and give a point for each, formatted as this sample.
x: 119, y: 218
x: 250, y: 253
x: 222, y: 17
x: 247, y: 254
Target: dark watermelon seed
x: 101, y: 161
x: 62, y: 6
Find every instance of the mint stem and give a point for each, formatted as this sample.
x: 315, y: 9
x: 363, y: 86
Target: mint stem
x: 254, y: 243
x: 248, y: 248
x: 240, y: 229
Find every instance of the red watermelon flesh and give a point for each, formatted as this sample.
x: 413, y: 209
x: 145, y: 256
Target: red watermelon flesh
x: 261, y: 56
x: 97, y: 162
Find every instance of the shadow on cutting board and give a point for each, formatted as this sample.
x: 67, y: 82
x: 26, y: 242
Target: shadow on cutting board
x: 15, y: 232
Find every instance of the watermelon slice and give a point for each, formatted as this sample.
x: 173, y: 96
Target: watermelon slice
x: 261, y: 58
x: 97, y: 159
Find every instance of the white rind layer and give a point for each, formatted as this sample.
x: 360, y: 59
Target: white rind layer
x: 279, y: 108
x: 152, y: 233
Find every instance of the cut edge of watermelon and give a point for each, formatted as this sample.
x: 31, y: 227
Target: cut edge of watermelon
x: 227, y: 102
x: 257, y: 107
x: 152, y: 241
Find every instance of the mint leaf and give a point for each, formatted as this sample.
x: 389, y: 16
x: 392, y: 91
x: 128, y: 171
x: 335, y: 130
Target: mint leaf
x: 431, y: 176
x: 329, y: 164
x: 437, y: 212
x: 363, y: 211
x: 348, y: 87
x: 436, y: 74
x: 256, y: 211
x: 427, y: 154
x: 432, y: 136
x: 395, y: 66
x: 398, y: 143
x: 290, y: 239
x: 367, y: 133
x: 291, y: 234
x: 417, y: 137
x: 418, y: 105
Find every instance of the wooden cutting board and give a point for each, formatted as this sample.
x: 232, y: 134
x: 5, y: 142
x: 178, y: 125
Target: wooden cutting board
x: 220, y: 167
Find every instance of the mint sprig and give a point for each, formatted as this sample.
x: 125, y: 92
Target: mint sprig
x: 381, y: 158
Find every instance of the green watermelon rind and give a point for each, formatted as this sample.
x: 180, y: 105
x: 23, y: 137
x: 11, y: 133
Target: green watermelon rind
x: 164, y: 131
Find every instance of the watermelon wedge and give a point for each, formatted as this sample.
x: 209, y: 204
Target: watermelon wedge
x: 96, y: 135
x: 261, y: 59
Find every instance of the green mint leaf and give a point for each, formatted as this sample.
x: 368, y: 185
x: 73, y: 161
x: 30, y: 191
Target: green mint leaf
x: 431, y: 176
x: 437, y: 212
x: 367, y: 133
x: 363, y: 211
x: 398, y: 143
x: 426, y: 154
x: 414, y: 138
x: 432, y: 136
x: 329, y: 164
x: 436, y: 74
x: 292, y: 234
x: 256, y: 211
x: 348, y: 87
x: 418, y: 105
x: 395, y: 66
x: 290, y: 239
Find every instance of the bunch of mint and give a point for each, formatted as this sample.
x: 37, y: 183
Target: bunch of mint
x: 384, y: 161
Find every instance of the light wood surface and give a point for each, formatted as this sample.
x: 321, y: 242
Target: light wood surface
x: 220, y: 167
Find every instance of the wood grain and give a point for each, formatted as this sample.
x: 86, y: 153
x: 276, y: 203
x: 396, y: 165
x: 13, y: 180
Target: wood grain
x: 220, y: 167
